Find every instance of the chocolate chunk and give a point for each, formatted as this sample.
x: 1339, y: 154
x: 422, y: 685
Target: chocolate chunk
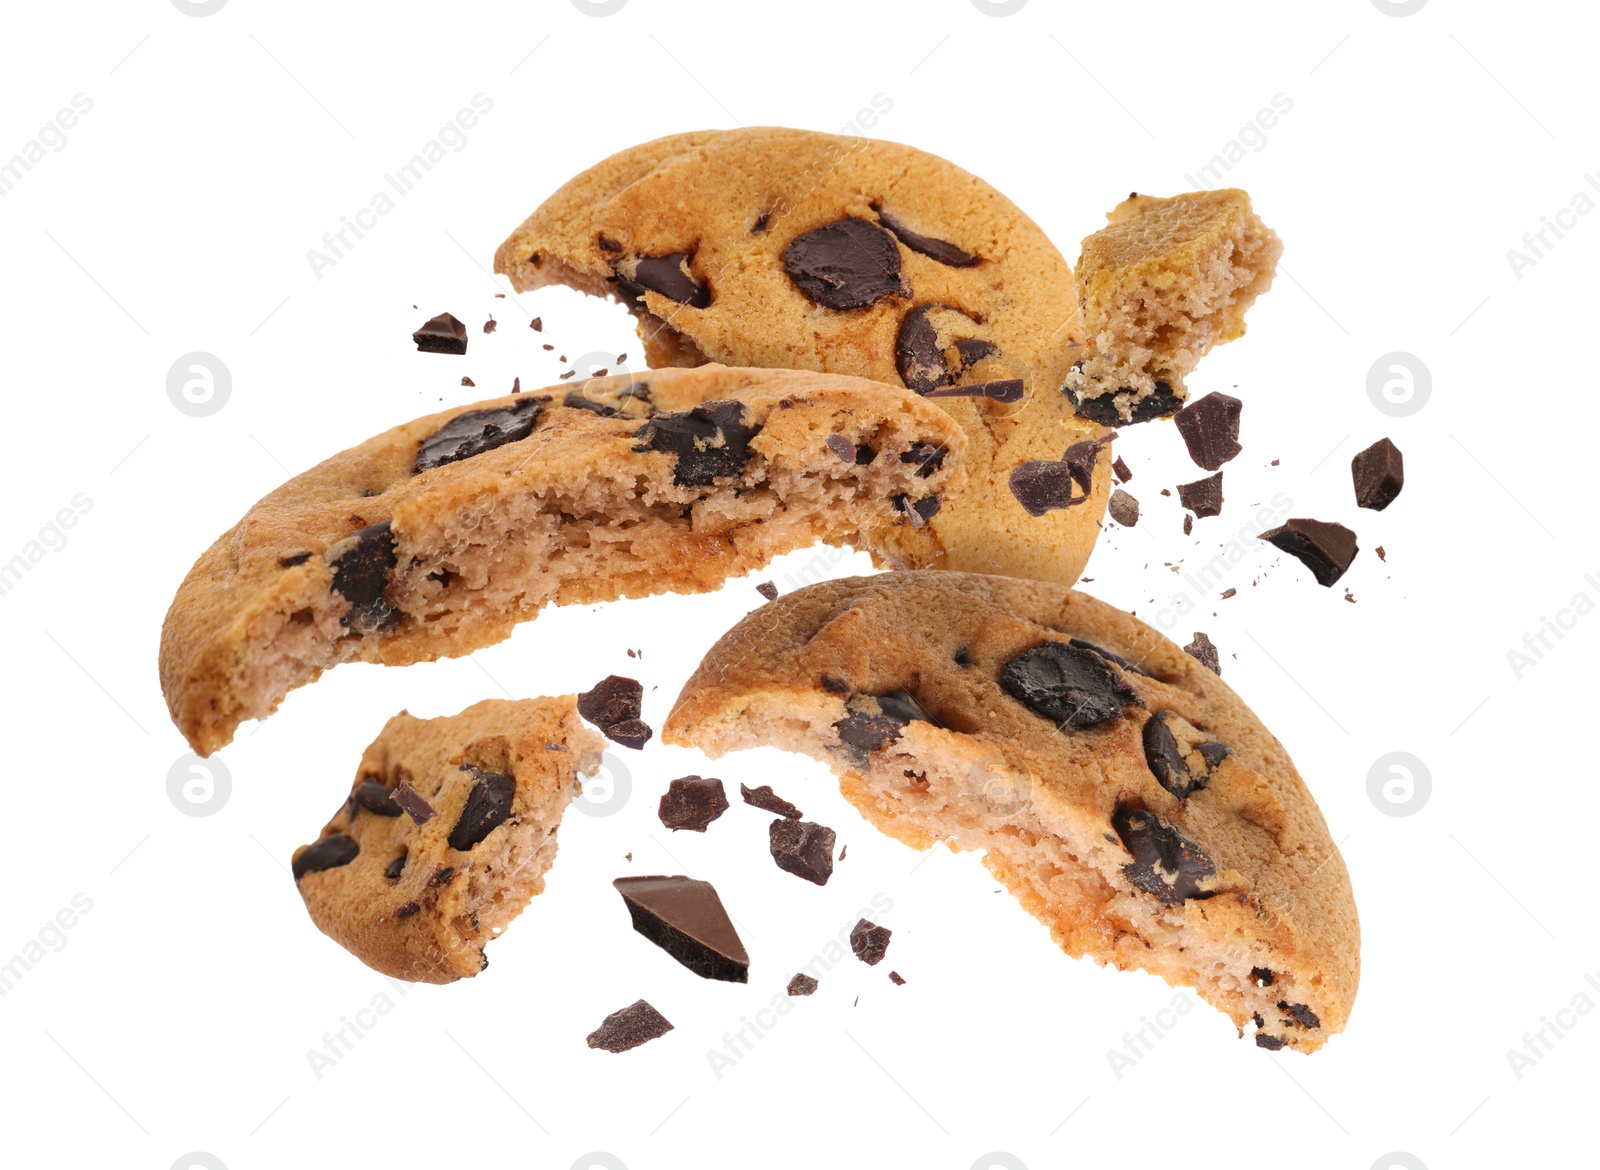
x: 329, y: 853
x: 768, y: 801
x: 919, y: 512
x: 685, y: 918
x: 1379, y: 473
x: 1230, y: 591
x: 712, y: 440
x: 490, y: 325
x: 848, y: 264
x: 1000, y: 390
x: 692, y: 802
x: 1382, y: 556
x: 1262, y: 978
x: 1103, y: 408
x: 407, y: 910
x: 802, y: 848
x: 1203, y: 497
x: 1042, y: 485
x: 1108, y: 656
x: 395, y: 868
x: 1204, y: 652
x: 1300, y: 1014
x: 842, y: 447
x: 606, y: 243
x: 1188, y: 522
x: 837, y: 686
x: 1323, y: 547
x: 669, y: 276
x: 973, y: 350
x: 925, y: 367
x: 376, y: 798
x: 760, y: 225
x: 941, y: 250
x: 293, y: 559
x: 1165, y: 863
x: 361, y: 571
x: 1212, y: 753
x: 537, y: 324
x: 1120, y: 470
x: 1124, y: 508
x: 488, y: 805
x: 474, y: 432
x: 409, y: 799
x: 1210, y: 429
x: 897, y: 979
x: 870, y: 731
x: 1270, y: 1043
x: 636, y: 1024
x: 768, y: 590
x: 928, y: 457
x: 1166, y: 758
x: 869, y: 942
x: 441, y: 334
x: 633, y: 733
x: 466, y: 381
x: 802, y: 984
x: 577, y: 401
x: 442, y: 876
x: 1066, y: 684
x: 612, y: 700
x: 961, y: 656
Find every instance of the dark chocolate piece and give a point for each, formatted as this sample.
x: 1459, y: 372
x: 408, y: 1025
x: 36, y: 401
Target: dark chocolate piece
x: 1203, y: 497
x: 768, y: 590
x: 848, y: 264
x: 376, y: 798
x: 606, y: 243
x: 1124, y: 508
x: 711, y: 440
x: 1323, y: 547
x: 578, y: 402
x: 1109, y: 656
x: 1067, y: 685
x: 475, y: 431
x: 633, y: 733
x: 407, y: 910
x: 923, y: 364
x: 490, y: 325
x: 361, y: 576
x: 685, y: 918
x: 613, y: 699
x: 1300, y: 1014
x: 1042, y: 485
x: 866, y: 730
x: 293, y: 559
x: 1261, y: 976
x: 537, y: 324
x: 842, y: 447
x: 927, y: 456
x: 330, y: 852
x: 488, y: 805
x: 768, y: 801
x: 395, y: 868
x: 669, y: 276
x: 692, y: 803
x: 897, y: 979
x: 1203, y: 651
x: 934, y: 249
x: 919, y: 512
x: 636, y: 1024
x: 1120, y: 470
x: 1167, y: 762
x: 1270, y: 1043
x: 1210, y: 429
x: 1165, y: 864
x: 441, y: 334
x: 1379, y: 473
x: 1000, y: 390
x: 802, y: 984
x: 869, y: 942
x: 1102, y: 409
x: 802, y: 848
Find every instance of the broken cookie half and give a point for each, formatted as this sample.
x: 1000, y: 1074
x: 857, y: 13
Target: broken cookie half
x: 1158, y: 287
x: 1117, y: 787
x: 446, y: 835
x: 437, y: 537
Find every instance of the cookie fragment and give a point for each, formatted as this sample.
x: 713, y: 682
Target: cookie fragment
x: 1210, y: 429
x: 1203, y: 497
x: 869, y: 942
x: 1124, y: 508
x: 475, y: 431
x: 686, y: 918
x: 330, y: 852
x: 629, y: 1027
x: 848, y: 264
x: 614, y: 705
x: 441, y: 334
x: 768, y: 801
x: 1203, y: 651
x: 1379, y: 474
x: 1324, y: 547
x: 1165, y: 864
x: 692, y: 802
x: 802, y: 984
x: 802, y: 848
x: 710, y: 441
x: 1067, y: 685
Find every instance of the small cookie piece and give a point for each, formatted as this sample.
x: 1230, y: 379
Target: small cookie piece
x: 419, y: 900
x: 787, y: 248
x: 1161, y: 284
x: 437, y: 537
x: 1119, y: 789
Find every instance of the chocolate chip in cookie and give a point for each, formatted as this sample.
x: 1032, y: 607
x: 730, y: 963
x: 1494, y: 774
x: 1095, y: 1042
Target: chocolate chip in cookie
x: 1165, y: 863
x: 475, y: 431
x: 1204, y: 651
x: 576, y: 401
x: 636, y: 1024
x: 685, y: 918
x: 919, y: 512
x: 934, y: 249
x: 866, y: 730
x: 441, y: 334
x: 869, y: 942
x: 1210, y: 429
x: 361, y: 567
x: 1043, y: 485
x: 922, y: 349
x: 1169, y: 763
x: 1007, y: 390
x: 1299, y: 1014
x: 1103, y: 409
x: 1203, y: 497
x: 1323, y: 547
x: 769, y: 801
x: 330, y: 852
x: 1379, y: 473
x: 848, y: 264
x: 1108, y: 655
x: 692, y: 802
x: 711, y: 441
x: 667, y: 275
x: 1067, y: 685
x: 488, y: 805
x: 377, y: 798
x: 802, y: 848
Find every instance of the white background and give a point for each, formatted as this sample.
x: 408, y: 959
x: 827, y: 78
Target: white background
x: 176, y: 1014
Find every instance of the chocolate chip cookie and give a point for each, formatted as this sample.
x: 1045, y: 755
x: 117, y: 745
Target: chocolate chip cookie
x: 437, y: 537
x: 446, y: 835
x: 1161, y: 284
x: 1119, y: 789
x: 785, y: 248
